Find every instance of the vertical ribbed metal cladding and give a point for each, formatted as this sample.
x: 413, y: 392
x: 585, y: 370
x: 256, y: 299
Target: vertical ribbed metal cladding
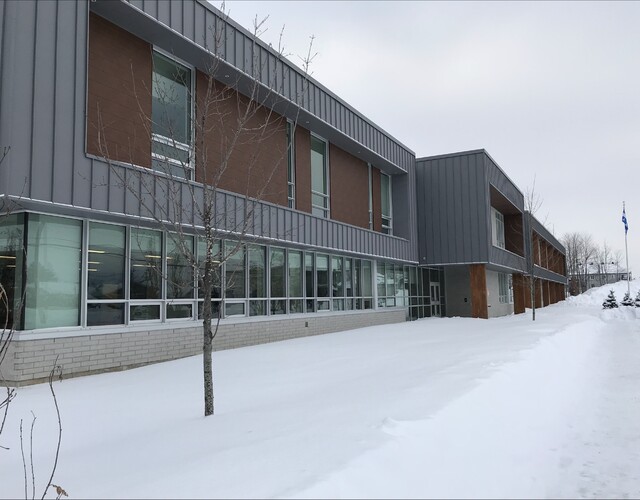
x: 453, y: 207
x: 194, y: 19
x: 3, y: 142
x: 43, y: 100
x: 502, y: 183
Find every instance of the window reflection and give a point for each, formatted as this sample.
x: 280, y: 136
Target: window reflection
x: 146, y: 264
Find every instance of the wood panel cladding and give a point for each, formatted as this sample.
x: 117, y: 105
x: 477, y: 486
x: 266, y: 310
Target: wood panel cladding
x: 240, y: 146
x: 118, y: 96
x: 478, y: 282
x: 349, y: 178
x: 519, y: 293
x: 514, y: 233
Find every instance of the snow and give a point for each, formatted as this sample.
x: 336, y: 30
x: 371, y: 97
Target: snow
x: 443, y: 408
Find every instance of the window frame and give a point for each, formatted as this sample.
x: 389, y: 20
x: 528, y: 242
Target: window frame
x: 291, y: 164
x: 497, y: 226
x: 189, y: 167
x: 387, y: 219
x: 325, y: 210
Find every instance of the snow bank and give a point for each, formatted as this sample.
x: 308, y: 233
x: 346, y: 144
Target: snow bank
x: 503, y: 439
x: 459, y: 407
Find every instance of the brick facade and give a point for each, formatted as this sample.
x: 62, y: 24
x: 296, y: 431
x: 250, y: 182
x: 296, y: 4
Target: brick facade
x: 82, y: 355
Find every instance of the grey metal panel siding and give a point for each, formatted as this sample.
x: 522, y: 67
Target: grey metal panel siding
x: 64, y: 102
x: 17, y: 98
x: 44, y: 123
x: 43, y: 96
x: 502, y: 183
x: 43, y: 101
x: 503, y: 258
x: 540, y: 272
x: 4, y: 46
x: 145, y: 198
x: 320, y: 101
x: 452, y: 209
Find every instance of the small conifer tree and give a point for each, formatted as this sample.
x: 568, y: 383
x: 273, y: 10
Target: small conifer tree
x: 637, y: 301
x: 610, y: 302
x: 626, y: 301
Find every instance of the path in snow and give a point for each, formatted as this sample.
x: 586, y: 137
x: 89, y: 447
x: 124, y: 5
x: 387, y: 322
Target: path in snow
x: 602, y: 459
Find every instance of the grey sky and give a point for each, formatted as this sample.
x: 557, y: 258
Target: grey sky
x: 550, y: 89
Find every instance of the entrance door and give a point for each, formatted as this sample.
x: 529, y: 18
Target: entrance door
x: 435, y: 300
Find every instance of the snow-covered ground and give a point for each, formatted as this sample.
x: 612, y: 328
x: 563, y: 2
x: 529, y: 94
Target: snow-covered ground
x: 434, y: 408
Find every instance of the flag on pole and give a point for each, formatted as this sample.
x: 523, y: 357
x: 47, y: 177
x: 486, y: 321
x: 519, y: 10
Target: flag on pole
x: 624, y: 221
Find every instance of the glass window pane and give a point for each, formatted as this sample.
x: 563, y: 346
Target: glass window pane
x: 106, y: 261
x: 175, y: 311
x: 170, y: 151
x: 309, y: 275
x: 390, y: 279
x: 257, y: 307
x: 367, y: 281
x: 278, y: 307
x: 179, y: 271
x: 399, y: 280
x: 11, y: 262
x: 257, y: 272
x: 146, y: 264
x: 319, y: 201
x: 323, y: 305
x: 322, y: 276
x: 276, y: 263
x: 234, y: 309
x: 171, y: 104
x: 235, y: 271
x: 337, y: 288
x: 144, y: 312
x: 53, y: 268
x: 318, y: 166
x: 295, y: 274
x: 105, y: 314
x: 357, y: 282
x: 385, y: 192
x: 295, y: 306
x: 380, y: 279
x: 348, y: 282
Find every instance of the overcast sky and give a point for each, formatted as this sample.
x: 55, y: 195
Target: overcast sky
x: 549, y: 89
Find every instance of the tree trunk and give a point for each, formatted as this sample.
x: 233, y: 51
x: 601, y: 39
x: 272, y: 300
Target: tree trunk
x: 207, y: 346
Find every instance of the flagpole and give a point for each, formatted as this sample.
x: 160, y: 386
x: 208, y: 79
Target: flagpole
x: 626, y: 251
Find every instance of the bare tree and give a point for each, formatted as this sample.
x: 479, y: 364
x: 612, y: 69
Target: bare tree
x: 532, y: 203
x: 233, y: 127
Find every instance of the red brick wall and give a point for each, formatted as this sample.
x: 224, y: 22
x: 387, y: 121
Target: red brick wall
x: 118, y: 98
x: 245, y: 156
x: 349, y: 179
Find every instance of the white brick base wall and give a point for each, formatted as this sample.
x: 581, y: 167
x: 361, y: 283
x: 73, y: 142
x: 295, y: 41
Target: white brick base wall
x: 30, y: 360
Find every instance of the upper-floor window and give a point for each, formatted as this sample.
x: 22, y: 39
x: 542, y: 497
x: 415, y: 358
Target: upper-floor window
x: 319, y: 178
x: 291, y: 175
x: 386, y: 203
x: 171, y: 117
x: 497, y: 226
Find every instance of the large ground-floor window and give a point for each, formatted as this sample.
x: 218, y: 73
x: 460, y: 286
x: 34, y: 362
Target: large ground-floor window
x: 61, y: 272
